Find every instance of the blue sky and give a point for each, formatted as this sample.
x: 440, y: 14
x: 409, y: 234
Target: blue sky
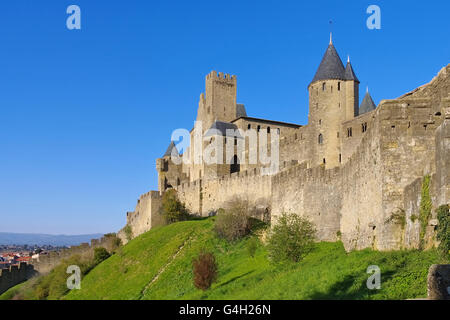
x: 85, y: 113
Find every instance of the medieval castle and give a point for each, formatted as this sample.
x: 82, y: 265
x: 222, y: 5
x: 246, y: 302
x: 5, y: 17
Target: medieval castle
x: 350, y: 170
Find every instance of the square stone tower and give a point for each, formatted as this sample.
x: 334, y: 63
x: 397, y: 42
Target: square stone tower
x: 219, y: 100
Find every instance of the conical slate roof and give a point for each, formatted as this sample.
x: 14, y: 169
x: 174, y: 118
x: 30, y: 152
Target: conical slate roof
x: 331, y: 66
x: 350, y: 73
x: 367, y: 104
x: 169, y: 150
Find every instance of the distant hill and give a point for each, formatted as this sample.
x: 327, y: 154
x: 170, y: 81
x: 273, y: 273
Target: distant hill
x: 45, y: 239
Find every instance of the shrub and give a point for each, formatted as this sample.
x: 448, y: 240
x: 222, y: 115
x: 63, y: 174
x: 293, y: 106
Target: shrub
x: 128, y: 232
x: 291, y: 238
x: 205, y: 270
x: 100, y: 254
x: 172, y: 209
x: 425, y: 209
x: 443, y: 231
x: 252, y: 246
x: 234, y: 222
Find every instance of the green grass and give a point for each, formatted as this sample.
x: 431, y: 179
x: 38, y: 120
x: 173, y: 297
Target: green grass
x: 326, y: 273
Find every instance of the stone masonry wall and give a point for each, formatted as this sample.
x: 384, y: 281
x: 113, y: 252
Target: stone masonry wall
x: 14, y: 275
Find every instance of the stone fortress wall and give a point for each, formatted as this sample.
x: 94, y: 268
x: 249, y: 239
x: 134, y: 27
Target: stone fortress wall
x: 45, y: 263
x: 349, y: 173
x: 15, y: 275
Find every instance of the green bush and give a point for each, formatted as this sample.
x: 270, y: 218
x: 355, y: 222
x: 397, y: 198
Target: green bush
x: 443, y: 231
x: 291, y: 238
x: 128, y: 232
x: 252, y: 246
x: 172, y: 209
x: 234, y: 222
x: 100, y: 254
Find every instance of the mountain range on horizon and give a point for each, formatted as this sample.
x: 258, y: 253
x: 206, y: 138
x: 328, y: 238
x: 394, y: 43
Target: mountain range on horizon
x: 7, y: 238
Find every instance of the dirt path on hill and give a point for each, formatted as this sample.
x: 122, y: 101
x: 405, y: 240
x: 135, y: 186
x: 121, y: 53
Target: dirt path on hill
x: 156, y: 277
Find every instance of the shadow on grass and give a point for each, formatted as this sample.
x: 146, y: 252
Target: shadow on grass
x: 352, y: 287
x: 234, y: 279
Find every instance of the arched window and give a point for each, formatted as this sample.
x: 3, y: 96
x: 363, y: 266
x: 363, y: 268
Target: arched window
x: 268, y: 129
x: 320, y: 139
x: 323, y: 86
x: 259, y: 128
x: 249, y: 126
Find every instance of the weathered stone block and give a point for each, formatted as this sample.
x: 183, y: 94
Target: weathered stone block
x: 439, y: 282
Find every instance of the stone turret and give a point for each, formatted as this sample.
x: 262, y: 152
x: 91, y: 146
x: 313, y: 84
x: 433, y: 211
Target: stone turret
x: 169, y: 171
x: 351, y: 92
x: 333, y: 99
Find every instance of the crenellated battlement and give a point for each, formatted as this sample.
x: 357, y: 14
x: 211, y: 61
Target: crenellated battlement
x: 225, y: 77
x: 14, y: 275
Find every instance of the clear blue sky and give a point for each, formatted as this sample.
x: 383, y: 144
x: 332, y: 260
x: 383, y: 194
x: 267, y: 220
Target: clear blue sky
x: 84, y: 114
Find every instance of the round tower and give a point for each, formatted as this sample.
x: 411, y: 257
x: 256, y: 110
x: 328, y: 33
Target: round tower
x: 333, y: 99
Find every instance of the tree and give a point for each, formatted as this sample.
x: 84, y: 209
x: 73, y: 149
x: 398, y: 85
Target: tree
x: 234, y: 222
x: 291, y: 238
x: 443, y: 231
x: 204, y: 270
x: 172, y: 209
x: 100, y: 254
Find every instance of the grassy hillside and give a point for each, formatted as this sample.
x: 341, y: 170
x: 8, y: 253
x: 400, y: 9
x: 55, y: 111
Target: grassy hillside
x: 327, y: 273
x: 158, y: 265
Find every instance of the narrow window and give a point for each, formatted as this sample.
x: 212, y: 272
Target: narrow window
x: 320, y: 139
x: 364, y: 127
x: 324, y: 162
x: 259, y: 128
x: 249, y: 126
x: 323, y: 86
x: 320, y: 121
x: 235, y: 141
x: 268, y: 129
x: 278, y: 130
x: 349, y: 132
x: 340, y: 158
x: 339, y: 86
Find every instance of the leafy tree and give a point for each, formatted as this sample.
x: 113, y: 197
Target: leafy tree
x: 172, y: 209
x: 291, y: 238
x: 234, y: 222
x: 100, y: 254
